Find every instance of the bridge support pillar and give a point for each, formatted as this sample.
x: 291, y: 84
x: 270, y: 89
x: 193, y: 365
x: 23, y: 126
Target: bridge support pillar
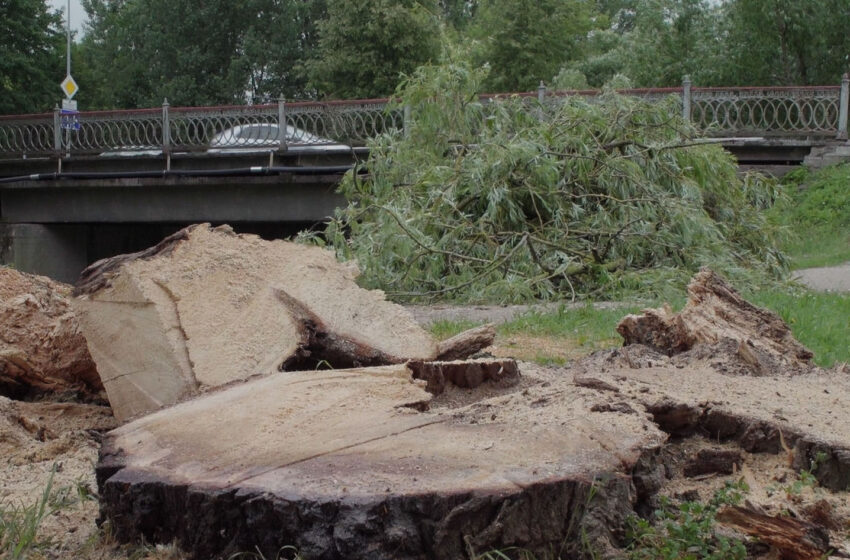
x: 58, y: 251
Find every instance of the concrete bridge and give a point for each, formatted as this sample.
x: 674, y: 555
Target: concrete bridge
x: 82, y: 186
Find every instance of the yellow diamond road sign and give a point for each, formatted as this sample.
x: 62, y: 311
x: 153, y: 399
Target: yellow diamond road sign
x: 69, y: 86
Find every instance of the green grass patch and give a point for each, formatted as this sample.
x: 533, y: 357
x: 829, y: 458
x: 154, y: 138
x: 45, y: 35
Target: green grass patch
x: 820, y: 321
x: 445, y: 328
x: 19, y: 524
x: 816, y: 214
x: 584, y: 324
x: 818, y: 247
x: 550, y: 338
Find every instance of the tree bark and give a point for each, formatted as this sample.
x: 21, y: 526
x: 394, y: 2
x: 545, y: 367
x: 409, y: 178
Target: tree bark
x: 794, y: 539
x: 342, y: 464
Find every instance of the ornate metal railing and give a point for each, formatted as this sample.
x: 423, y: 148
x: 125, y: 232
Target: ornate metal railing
x: 761, y: 111
x: 774, y: 111
x: 281, y: 126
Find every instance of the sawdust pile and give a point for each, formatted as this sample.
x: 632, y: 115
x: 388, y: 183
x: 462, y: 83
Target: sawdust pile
x: 41, y: 347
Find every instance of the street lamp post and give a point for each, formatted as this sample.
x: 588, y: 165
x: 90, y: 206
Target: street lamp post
x: 68, y: 36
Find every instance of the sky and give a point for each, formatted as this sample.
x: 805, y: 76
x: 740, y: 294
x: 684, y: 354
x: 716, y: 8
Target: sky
x: 78, y: 15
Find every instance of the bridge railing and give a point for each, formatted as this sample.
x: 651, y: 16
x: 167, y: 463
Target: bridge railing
x: 733, y: 111
x: 779, y: 111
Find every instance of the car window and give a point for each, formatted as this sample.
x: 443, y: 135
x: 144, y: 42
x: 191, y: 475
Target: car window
x: 258, y: 132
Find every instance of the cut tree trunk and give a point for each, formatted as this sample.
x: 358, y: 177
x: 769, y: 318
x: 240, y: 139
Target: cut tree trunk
x: 207, y: 307
x: 41, y: 347
x: 807, y: 413
x: 342, y: 464
x: 716, y: 314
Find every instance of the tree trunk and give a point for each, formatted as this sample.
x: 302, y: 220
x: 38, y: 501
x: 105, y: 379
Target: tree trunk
x: 794, y: 539
x: 207, y: 307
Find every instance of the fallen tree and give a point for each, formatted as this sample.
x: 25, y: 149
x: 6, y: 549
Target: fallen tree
x: 507, y: 200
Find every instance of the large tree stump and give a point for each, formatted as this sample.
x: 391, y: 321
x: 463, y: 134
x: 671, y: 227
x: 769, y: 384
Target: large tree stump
x: 207, y: 307
x: 41, y: 347
x: 341, y: 465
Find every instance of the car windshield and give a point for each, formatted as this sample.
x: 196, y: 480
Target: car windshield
x: 258, y: 132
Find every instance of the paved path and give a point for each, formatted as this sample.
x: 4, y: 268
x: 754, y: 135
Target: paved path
x: 827, y: 279
x: 428, y: 314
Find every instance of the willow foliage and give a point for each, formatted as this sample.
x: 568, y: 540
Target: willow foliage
x: 509, y: 200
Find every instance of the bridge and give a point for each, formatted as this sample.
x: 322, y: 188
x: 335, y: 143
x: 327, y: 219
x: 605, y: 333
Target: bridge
x: 78, y: 187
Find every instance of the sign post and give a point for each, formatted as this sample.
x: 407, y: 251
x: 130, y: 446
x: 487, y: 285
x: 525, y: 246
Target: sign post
x: 68, y: 114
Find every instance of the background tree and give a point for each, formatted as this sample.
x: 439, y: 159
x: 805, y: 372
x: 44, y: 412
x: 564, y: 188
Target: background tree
x: 458, y: 13
x: 143, y: 51
x: 365, y: 46
x: 31, y: 56
x: 526, y: 41
x: 279, y: 39
x: 787, y: 42
x: 604, y: 57
x: 672, y: 38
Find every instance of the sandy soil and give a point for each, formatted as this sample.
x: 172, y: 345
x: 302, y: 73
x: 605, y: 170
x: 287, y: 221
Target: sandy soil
x: 56, y: 443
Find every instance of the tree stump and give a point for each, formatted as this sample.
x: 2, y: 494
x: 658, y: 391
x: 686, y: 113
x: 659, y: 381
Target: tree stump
x: 341, y: 464
x: 717, y: 314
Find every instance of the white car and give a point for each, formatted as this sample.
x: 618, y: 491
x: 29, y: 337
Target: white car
x: 132, y: 151
x: 265, y: 137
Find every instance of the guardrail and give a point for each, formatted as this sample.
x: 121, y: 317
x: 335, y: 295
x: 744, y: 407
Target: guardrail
x: 733, y: 111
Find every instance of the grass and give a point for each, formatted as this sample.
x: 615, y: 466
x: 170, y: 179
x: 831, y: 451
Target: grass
x: 550, y: 338
x: 819, y: 320
x: 817, y: 216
